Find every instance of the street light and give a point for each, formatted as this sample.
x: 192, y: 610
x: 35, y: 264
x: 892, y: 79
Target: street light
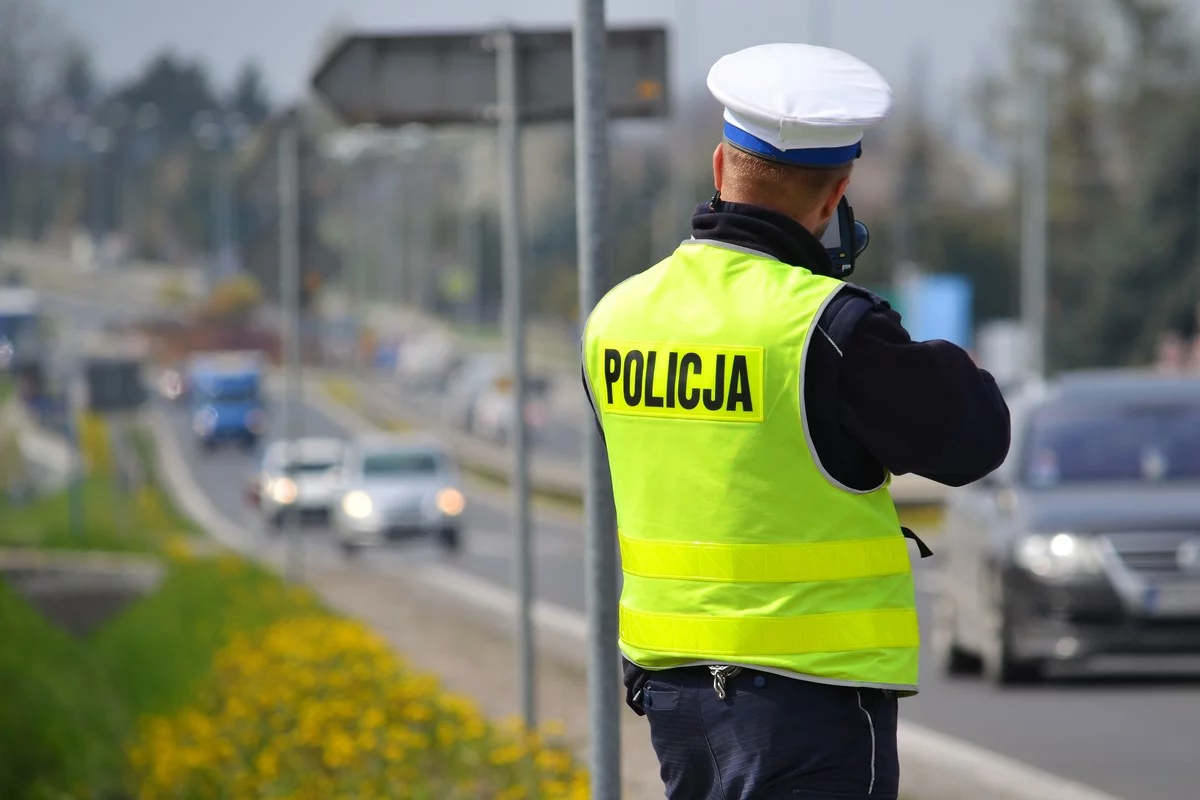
x: 220, y: 135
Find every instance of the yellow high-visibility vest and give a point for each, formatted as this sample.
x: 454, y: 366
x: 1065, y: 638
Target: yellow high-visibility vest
x: 737, y: 546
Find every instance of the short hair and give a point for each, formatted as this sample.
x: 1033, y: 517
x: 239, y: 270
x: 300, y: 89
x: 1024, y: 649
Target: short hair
x: 757, y: 178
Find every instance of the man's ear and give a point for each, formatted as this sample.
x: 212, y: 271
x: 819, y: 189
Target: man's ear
x: 834, y: 197
x: 718, y: 165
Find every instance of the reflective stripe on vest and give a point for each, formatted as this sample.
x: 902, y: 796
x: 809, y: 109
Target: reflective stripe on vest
x: 736, y: 544
x: 765, y: 563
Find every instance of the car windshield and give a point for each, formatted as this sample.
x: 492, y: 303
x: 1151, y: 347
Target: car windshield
x: 1110, y: 444
x: 312, y: 467
x: 18, y: 330
x: 236, y: 394
x: 400, y: 463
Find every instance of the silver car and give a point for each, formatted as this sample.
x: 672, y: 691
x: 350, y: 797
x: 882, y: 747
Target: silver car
x: 299, y: 483
x: 398, y: 487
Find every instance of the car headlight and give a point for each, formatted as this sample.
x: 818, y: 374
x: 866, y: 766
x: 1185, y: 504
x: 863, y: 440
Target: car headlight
x: 283, y: 490
x: 357, y: 505
x: 255, y: 421
x: 1058, y: 555
x: 450, y: 502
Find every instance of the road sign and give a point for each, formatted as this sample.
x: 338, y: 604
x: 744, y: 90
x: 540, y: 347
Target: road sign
x: 448, y: 78
x: 113, y: 384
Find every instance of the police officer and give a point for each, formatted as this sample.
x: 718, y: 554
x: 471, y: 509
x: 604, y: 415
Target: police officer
x: 754, y: 407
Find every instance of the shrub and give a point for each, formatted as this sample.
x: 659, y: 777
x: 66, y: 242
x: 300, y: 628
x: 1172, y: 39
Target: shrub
x: 234, y: 299
x: 319, y: 707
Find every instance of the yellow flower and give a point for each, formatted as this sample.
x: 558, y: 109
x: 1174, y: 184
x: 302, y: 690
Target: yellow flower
x: 316, y: 708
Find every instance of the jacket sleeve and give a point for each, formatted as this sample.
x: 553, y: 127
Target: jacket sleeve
x: 920, y: 407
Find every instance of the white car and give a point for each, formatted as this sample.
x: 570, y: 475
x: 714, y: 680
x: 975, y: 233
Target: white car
x: 395, y: 488
x: 492, y: 413
x: 300, y: 482
x: 471, y: 378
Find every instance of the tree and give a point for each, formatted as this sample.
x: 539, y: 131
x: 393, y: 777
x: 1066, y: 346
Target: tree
x: 76, y: 81
x: 1100, y: 178
x: 28, y: 37
x: 1150, y: 283
x: 178, y: 89
x: 249, y: 96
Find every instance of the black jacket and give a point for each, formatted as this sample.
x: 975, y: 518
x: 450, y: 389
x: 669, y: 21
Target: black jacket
x: 875, y: 399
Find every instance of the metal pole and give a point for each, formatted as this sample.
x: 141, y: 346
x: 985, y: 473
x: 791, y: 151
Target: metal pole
x: 231, y: 208
x: 74, y: 410
x: 425, y: 233
x: 289, y: 275
x: 511, y: 228
x: 1034, y: 221
x: 358, y: 277
x: 591, y: 200
x: 675, y: 148
x: 224, y: 179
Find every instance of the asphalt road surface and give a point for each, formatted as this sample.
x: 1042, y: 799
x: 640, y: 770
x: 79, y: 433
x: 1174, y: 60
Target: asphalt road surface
x: 1136, y: 738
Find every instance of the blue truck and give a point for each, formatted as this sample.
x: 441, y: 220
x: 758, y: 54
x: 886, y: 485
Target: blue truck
x: 226, y: 400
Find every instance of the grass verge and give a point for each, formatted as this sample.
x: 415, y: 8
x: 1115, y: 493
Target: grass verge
x: 60, y: 719
x: 227, y: 682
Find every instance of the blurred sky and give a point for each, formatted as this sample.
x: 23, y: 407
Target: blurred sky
x: 959, y: 38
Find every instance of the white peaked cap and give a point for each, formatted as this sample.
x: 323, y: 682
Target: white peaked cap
x: 799, y: 103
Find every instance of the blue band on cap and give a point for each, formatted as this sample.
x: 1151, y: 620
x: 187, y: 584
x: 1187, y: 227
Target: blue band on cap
x: 811, y: 157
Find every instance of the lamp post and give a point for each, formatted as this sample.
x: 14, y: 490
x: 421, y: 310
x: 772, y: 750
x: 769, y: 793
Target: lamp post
x: 220, y: 135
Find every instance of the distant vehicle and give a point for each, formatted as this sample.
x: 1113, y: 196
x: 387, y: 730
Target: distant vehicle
x: 1086, y: 542
x: 398, y: 488
x: 424, y: 360
x: 225, y: 398
x: 492, y: 412
x: 302, y: 483
x: 20, y: 327
x: 471, y: 377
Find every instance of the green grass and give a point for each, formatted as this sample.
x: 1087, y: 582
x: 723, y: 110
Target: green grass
x: 160, y: 647
x: 70, y: 706
x: 109, y: 522
x: 61, y: 723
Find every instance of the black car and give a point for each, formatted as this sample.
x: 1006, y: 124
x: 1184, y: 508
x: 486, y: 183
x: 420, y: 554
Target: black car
x: 1085, y: 544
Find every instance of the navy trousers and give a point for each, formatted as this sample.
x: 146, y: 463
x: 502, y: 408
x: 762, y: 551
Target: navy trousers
x: 771, y: 738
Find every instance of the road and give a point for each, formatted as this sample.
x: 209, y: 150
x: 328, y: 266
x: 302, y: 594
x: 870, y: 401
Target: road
x: 1135, y: 739
x: 559, y: 566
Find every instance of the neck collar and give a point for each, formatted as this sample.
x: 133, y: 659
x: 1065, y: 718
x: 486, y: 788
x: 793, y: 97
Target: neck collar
x: 757, y: 228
